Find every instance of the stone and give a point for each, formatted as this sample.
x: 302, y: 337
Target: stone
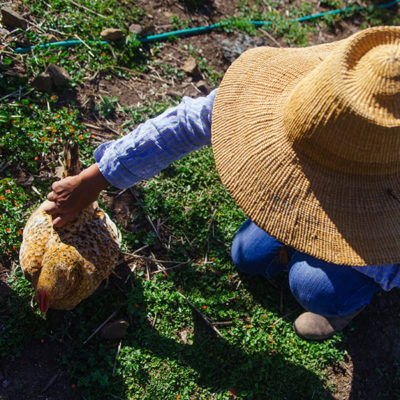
x: 42, y: 82
x: 140, y: 30
x: 111, y: 34
x: 115, y: 329
x: 232, y: 49
x: 12, y: 19
x: 58, y: 74
x: 191, y: 67
x: 136, y: 29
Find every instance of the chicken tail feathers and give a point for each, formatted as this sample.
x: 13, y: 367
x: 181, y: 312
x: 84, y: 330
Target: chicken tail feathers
x: 72, y: 165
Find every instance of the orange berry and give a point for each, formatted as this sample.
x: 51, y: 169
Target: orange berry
x: 36, y: 158
x: 81, y: 137
x: 264, y: 316
x: 30, y: 135
x: 19, y: 232
x: 204, y: 307
x: 1, y: 197
x: 92, y: 136
x: 8, y: 229
x: 8, y: 191
x: 42, y: 139
x: 212, y: 258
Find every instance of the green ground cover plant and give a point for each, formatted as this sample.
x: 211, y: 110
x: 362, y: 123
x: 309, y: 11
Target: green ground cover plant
x: 171, y: 350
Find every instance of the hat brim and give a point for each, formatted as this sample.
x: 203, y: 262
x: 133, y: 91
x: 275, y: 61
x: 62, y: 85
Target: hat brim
x: 337, y: 217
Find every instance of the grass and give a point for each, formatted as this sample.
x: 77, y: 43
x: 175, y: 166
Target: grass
x: 169, y: 351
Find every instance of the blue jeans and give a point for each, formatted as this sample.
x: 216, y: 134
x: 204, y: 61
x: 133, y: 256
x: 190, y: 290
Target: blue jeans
x: 320, y: 287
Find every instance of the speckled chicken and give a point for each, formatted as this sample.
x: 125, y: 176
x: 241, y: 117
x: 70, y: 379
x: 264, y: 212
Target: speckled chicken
x: 67, y: 264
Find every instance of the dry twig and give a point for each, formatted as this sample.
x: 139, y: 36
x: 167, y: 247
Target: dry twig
x: 206, y: 319
x: 100, y: 326
x: 116, y: 356
x: 88, y: 9
x: 51, y: 381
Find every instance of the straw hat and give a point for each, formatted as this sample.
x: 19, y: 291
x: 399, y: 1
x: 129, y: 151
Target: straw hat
x: 307, y: 141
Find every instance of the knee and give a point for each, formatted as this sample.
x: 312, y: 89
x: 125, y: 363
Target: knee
x: 254, y: 251
x: 312, y: 288
x: 242, y: 255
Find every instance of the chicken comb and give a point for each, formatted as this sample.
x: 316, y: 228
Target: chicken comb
x: 72, y: 165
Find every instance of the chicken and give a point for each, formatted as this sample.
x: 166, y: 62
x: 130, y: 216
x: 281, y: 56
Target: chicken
x: 66, y: 265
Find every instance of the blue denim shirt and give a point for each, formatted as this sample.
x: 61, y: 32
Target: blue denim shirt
x: 158, y: 142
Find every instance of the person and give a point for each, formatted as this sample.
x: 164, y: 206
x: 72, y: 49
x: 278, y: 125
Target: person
x: 307, y: 141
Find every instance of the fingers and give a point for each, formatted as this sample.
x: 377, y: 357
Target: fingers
x: 61, y: 220
x: 51, y: 196
x: 51, y: 208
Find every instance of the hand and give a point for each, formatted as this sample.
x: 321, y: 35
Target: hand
x: 72, y: 194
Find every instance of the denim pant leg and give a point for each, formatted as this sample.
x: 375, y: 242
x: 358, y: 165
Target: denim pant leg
x: 255, y: 252
x: 329, y: 289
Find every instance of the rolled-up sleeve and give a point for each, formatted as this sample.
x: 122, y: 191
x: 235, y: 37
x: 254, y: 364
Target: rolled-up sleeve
x: 158, y: 142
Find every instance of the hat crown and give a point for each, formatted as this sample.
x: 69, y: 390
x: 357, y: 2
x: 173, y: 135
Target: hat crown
x: 345, y: 114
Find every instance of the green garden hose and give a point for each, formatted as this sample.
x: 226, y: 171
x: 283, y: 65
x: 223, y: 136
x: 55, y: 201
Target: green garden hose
x: 193, y: 31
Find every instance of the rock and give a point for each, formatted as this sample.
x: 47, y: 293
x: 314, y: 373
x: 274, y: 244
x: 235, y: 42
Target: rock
x: 115, y: 329
x: 136, y: 29
x: 202, y: 86
x: 232, y: 49
x: 12, y: 19
x: 140, y: 30
x: 111, y: 34
x: 42, y: 82
x: 191, y: 67
x: 58, y: 74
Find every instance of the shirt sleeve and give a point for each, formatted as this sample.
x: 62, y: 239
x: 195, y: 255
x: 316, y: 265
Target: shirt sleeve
x: 158, y: 142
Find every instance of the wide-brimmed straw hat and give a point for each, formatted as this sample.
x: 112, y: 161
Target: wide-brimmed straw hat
x: 307, y: 141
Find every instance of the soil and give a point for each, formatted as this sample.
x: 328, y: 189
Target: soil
x: 370, y: 369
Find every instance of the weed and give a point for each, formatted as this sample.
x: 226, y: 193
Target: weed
x: 106, y: 107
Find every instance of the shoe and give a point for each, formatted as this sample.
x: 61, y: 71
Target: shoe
x: 312, y: 326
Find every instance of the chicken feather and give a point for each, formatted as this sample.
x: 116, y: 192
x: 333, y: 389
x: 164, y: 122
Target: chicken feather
x: 67, y: 264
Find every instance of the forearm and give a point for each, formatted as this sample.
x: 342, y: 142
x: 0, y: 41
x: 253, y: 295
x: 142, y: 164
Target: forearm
x: 93, y: 179
x: 157, y: 143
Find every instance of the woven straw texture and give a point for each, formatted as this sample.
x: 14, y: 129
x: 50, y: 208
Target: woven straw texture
x: 307, y: 141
